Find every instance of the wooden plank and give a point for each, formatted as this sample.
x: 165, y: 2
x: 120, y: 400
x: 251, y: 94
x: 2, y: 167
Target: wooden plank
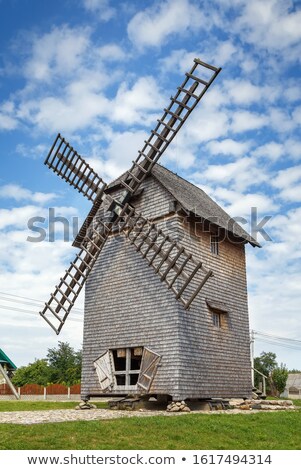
x: 9, y: 382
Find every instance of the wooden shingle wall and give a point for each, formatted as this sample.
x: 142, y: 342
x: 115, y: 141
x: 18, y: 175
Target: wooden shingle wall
x: 127, y: 305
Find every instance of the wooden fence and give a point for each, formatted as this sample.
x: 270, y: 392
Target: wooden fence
x: 34, y: 389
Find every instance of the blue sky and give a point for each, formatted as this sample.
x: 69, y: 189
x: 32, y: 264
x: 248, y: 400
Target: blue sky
x: 101, y: 72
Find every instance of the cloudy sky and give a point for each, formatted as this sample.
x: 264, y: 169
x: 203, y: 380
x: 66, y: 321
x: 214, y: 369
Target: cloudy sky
x: 101, y: 72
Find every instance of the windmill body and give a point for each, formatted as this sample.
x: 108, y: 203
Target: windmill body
x: 166, y: 300
x: 128, y: 309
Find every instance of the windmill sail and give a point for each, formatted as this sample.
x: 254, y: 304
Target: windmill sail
x: 181, y: 106
x: 179, y: 270
x: 57, y: 309
x: 73, y: 168
x: 171, y: 262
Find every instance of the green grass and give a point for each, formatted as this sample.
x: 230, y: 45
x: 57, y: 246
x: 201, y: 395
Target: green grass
x: 41, y: 405
x: 274, y: 430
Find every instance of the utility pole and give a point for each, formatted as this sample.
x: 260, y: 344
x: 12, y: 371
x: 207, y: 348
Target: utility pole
x: 252, y: 341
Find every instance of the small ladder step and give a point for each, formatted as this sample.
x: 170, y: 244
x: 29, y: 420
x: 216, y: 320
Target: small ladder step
x: 197, y: 79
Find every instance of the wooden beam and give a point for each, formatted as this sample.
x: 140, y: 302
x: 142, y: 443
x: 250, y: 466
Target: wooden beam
x: 9, y: 383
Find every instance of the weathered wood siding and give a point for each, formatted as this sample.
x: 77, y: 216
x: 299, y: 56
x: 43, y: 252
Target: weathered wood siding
x: 126, y: 305
x: 219, y: 358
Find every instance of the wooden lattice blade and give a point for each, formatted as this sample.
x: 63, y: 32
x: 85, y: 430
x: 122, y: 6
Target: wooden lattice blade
x: 73, y: 168
x: 58, y: 307
x: 181, y: 106
x: 175, y: 266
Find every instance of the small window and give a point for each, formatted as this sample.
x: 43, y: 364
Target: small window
x: 127, y: 364
x: 216, y: 317
x: 214, y: 244
x: 219, y: 313
x: 220, y: 319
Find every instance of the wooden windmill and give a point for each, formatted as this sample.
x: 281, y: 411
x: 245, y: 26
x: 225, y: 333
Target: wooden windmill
x: 141, y: 278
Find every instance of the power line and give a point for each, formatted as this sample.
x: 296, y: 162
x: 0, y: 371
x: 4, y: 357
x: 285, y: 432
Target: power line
x: 34, y: 302
x: 288, y: 343
x: 268, y: 335
x: 274, y: 343
x: 5, y: 307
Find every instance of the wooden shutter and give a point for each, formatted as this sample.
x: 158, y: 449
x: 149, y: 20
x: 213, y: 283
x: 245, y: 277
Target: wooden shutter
x: 104, y: 371
x: 149, y: 364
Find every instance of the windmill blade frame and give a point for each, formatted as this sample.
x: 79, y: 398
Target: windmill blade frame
x: 172, y: 262
x: 167, y: 128
x: 71, y: 167
x: 63, y: 160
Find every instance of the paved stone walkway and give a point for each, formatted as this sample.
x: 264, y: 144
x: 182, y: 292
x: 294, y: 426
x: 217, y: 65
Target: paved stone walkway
x: 59, y: 416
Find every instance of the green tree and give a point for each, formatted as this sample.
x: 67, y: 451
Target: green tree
x: 265, y: 363
x: 65, y: 364
x: 279, y: 378
x: 37, y: 372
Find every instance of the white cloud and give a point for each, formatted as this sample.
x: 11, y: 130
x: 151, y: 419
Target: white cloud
x: 82, y: 101
x: 277, y: 264
x: 243, y: 121
x: 101, y: 8
x: 289, y: 183
x: 281, y: 120
x: 112, y: 53
x: 241, y: 207
x: 118, y: 156
x: 243, y: 92
x: 287, y: 177
x: 7, y: 118
x: 271, y: 150
x: 224, y: 52
x: 7, y: 123
x: 180, y: 60
x: 182, y: 156
x: 57, y: 53
x: 293, y: 148
x: 242, y: 174
x: 16, y: 192
x: 269, y: 24
x: 18, y: 217
x: 228, y: 147
x: 132, y: 105
x: 35, y: 151
x: 297, y: 115
x: 32, y: 270
x: 153, y: 26
x: 206, y: 124
x: 292, y: 93
x: 292, y: 194
x: 248, y: 64
x: 239, y: 204
x: 287, y: 228
x: 78, y: 109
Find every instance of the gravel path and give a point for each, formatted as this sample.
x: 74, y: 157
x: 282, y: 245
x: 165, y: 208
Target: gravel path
x: 59, y: 416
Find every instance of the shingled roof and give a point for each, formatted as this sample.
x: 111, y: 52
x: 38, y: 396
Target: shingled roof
x: 191, y: 198
x: 197, y: 202
x: 194, y: 200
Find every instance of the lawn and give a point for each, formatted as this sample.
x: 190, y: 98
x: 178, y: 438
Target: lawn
x: 273, y: 430
x: 41, y: 405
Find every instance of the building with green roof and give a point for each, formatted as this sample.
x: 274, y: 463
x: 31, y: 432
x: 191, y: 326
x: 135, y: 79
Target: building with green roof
x: 7, y: 365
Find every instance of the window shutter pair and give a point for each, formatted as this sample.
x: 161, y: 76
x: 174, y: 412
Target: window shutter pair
x: 149, y: 364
